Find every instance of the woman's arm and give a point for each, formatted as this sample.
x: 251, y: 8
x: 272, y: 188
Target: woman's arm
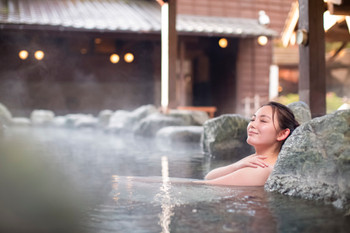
x: 246, y: 176
x: 252, y: 161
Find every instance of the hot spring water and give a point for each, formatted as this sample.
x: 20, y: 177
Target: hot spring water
x: 131, y: 184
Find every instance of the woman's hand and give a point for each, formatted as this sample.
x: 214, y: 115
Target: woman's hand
x: 253, y: 161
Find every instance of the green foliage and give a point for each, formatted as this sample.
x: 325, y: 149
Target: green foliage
x: 288, y: 99
x: 333, y: 102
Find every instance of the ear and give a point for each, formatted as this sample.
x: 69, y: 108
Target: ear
x: 283, y: 134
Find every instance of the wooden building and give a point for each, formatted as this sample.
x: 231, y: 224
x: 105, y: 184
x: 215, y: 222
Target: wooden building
x: 76, y: 72
x: 312, y: 71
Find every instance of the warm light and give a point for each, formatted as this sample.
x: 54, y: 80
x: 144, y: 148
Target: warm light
x: 293, y: 38
x: 262, y: 40
x: 23, y: 54
x: 39, y: 55
x: 330, y: 20
x: 114, y: 58
x: 83, y: 51
x: 223, y: 43
x: 341, y: 53
x: 129, y: 57
x: 98, y: 40
x: 280, y: 89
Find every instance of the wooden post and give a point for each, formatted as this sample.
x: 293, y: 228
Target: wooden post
x: 181, y: 85
x: 169, y: 54
x: 312, y: 80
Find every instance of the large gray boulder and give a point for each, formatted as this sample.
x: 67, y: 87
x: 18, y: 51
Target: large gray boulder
x: 180, y: 134
x: 124, y: 121
x: 301, y: 111
x: 191, y: 117
x: 225, y: 137
x: 149, y: 126
x: 41, y: 117
x: 314, y: 162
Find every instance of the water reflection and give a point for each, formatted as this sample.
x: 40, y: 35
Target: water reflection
x: 181, y: 206
x: 164, y: 196
x: 115, y: 185
x: 131, y: 187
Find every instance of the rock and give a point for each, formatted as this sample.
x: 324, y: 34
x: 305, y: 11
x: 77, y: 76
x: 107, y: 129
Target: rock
x: 149, y: 126
x: 79, y: 121
x: 119, y: 122
x: 314, y: 162
x: 42, y: 117
x: 104, y: 116
x: 192, y: 117
x: 5, y: 115
x: 301, y: 111
x: 124, y: 122
x: 59, y: 121
x: 143, y: 112
x: 20, y: 121
x: 344, y: 106
x: 86, y: 121
x: 182, y: 134
x: 224, y: 137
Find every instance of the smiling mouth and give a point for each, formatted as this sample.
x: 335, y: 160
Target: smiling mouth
x: 252, y: 133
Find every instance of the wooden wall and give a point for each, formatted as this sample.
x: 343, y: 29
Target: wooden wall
x: 252, y: 76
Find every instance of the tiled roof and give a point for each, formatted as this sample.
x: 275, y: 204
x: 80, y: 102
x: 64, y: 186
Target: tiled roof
x: 142, y: 16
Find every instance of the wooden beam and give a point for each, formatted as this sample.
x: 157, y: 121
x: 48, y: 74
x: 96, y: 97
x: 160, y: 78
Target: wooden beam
x: 172, y: 53
x: 312, y: 80
x: 339, y: 7
x: 169, y: 55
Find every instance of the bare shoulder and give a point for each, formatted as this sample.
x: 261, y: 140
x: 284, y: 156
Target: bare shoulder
x: 247, y: 176
x: 255, y: 171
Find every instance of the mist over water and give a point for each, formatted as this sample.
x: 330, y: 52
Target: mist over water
x: 70, y: 180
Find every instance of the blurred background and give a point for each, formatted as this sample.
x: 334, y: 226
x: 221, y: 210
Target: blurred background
x: 84, y: 56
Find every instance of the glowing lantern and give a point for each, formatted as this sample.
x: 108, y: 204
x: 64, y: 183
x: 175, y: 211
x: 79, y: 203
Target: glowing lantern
x: 23, y: 54
x: 262, y: 40
x: 223, y: 43
x: 114, y: 58
x: 39, y: 55
x: 129, y: 57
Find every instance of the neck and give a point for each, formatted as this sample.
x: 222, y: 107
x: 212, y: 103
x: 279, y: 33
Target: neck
x: 271, y: 153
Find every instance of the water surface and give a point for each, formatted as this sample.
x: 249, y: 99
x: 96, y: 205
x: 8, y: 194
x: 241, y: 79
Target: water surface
x: 128, y: 184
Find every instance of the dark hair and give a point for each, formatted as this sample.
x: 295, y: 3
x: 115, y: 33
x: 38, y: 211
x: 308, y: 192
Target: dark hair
x: 285, y: 117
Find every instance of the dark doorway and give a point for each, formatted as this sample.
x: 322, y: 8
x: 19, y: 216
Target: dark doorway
x: 215, y: 76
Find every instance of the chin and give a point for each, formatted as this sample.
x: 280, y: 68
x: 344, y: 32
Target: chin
x: 249, y: 141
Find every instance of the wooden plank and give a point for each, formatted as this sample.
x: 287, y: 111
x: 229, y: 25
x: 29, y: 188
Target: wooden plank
x: 339, y: 8
x: 172, y: 53
x: 312, y: 80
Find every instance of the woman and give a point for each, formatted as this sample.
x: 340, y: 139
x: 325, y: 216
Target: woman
x: 268, y: 129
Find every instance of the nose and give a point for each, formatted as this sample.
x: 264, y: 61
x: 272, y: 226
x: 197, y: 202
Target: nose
x: 251, y: 125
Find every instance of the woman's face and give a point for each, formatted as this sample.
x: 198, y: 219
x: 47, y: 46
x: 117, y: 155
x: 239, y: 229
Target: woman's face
x: 263, y: 129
